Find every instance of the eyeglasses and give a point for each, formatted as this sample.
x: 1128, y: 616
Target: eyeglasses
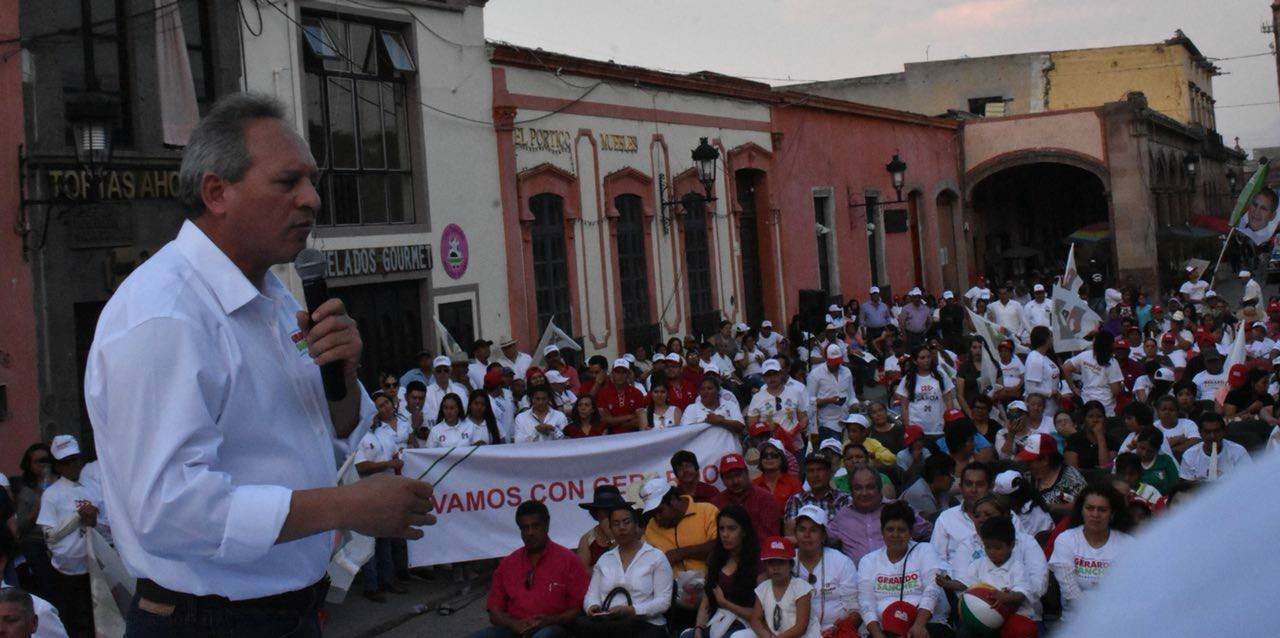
x: 777, y: 618
x: 528, y: 579
x: 777, y: 403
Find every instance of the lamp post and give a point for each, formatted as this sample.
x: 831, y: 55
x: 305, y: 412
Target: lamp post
x: 897, y: 170
x: 705, y: 157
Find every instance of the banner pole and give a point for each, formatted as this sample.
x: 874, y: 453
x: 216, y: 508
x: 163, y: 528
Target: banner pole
x: 1212, y: 272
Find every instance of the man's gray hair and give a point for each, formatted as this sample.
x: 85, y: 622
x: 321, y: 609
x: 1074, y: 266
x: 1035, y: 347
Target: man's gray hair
x: 217, y: 145
x: 22, y: 598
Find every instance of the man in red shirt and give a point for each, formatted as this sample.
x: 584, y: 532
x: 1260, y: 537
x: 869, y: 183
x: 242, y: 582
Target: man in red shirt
x: 595, y: 379
x: 765, y: 513
x: 620, y: 402
x: 556, y: 362
x: 680, y: 392
x: 537, y: 590
x: 685, y: 467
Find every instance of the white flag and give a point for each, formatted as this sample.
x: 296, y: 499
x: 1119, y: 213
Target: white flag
x: 448, y: 345
x: 553, y: 335
x: 990, y: 333
x: 1070, y: 320
x: 1071, y: 277
x: 1237, y: 354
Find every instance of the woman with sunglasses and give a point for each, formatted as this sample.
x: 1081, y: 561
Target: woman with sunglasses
x: 832, y: 575
x: 774, y: 475
x: 780, y: 406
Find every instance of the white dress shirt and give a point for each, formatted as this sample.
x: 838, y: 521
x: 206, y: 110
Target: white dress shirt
x: 69, y: 554
x: 1007, y: 315
x: 504, y: 410
x: 1030, y: 577
x: 696, y: 412
x: 823, y: 384
x: 835, y: 588
x: 520, y: 366
x: 48, y: 623
x: 769, y: 342
x: 527, y: 422
x: 952, y: 527
x: 1197, y: 464
x: 436, y: 394
x: 1037, y: 313
x: 648, y: 579
x: 208, y: 412
x: 475, y: 373
x: 463, y: 433
x: 377, y: 446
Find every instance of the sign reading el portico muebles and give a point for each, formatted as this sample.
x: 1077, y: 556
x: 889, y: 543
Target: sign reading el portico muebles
x: 384, y: 260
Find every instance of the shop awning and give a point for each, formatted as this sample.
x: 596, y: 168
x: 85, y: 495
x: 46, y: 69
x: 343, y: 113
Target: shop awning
x: 1188, y: 231
x: 1092, y: 233
x: 1210, y: 222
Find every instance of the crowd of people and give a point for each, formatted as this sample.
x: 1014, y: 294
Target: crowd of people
x: 884, y: 476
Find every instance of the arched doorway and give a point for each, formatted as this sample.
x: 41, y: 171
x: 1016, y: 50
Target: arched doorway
x: 1024, y: 213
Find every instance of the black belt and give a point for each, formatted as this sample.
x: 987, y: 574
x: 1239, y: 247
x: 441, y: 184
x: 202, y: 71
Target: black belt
x: 299, y: 600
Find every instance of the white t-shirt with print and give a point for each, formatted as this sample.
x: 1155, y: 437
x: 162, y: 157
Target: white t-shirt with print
x: 764, y: 406
x: 795, y: 590
x: 1096, y: 380
x: 1079, y: 566
x: 929, y: 405
x: 1208, y: 384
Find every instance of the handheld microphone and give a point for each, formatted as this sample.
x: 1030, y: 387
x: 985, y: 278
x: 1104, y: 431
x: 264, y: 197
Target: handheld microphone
x: 311, y: 266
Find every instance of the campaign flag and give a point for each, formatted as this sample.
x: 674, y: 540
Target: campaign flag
x: 110, y: 585
x: 1071, y: 276
x: 553, y: 335
x: 1250, y: 189
x: 1070, y: 320
x: 992, y: 335
x: 448, y: 345
x: 477, y: 488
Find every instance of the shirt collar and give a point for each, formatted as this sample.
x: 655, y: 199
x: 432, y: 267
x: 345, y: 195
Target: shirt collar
x: 227, y: 282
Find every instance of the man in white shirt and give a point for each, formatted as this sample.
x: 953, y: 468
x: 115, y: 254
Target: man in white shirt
x: 768, y: 338
x: 509, y: 355
x: 218, y: 447
x: 781, y: 406
x: 1213, y: 377
x: 954, y: 524
x: 1252, y: 290
x: 66, y: 509
x: 979, y: 288
x: 831, y: 389
x: 1007, y: 313
x: 1215, y: 456
x: 441, y: 385
x: 479, y: 364
x: 1037, y: 311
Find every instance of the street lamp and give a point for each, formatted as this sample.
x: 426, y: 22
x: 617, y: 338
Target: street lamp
x: 1231, y: 182
x: 897, y: 170
x: 704, y: 160
x: 1191, y: 162
x: 93, y: 117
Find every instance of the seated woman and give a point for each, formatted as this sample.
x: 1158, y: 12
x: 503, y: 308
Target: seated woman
x: 631, y: 584
x: 729, y: 597
x: 1095, y: 539
x: 898, y: 592
x: 584, y: 419
x: 775, y: 477
x: 1057, y: 482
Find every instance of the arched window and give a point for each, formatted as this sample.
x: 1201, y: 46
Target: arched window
x: 550, y: 264
x: 633, y: 275
x: 697, y: 255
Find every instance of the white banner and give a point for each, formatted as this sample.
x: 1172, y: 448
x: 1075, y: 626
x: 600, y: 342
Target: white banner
x: 1070, y: 321
x: 477, y: 489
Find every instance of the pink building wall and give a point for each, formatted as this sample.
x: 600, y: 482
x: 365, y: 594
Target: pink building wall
x: 18, y: 328
x: 842, y: 146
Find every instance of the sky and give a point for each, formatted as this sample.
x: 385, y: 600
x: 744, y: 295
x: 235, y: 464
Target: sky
x: 807, y: 40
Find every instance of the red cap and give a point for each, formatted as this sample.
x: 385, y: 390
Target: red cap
x: 911, y: 434
x: 1157, y: 308
x: 952, y: 414
x: 730, y: 462
x: 898, y: 617
x: 1039, y: 446
x: 528, y: 374
x: 1273, y: 307
x: 1065, y: 403
x: 759, y: 428
x: 493, y: 378
x: 1168, y: 338
x: 1121, y: 344
x: 1236, y: 376
x: 777, y: 548
x: 1204, y: 336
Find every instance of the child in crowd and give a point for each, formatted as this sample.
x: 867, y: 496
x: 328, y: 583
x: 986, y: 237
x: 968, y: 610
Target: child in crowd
x: 782, y: 602
x: 1129, y: 473
x: 1003, y: 569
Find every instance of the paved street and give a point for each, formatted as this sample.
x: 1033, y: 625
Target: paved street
x: 413, y: 614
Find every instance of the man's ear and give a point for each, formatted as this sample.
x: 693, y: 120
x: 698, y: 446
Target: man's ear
x: 216, y: 193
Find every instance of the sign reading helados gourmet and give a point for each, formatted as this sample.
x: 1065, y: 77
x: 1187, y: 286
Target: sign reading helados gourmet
x: 478, y: 488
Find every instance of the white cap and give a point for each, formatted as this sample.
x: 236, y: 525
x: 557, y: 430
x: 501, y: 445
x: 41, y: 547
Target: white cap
x: 554, y: 376
x: 947, y: 294
x: 631, y: 358
x: 832, y: 326
x: 1006, y: 482
x: 658, y: 356
x: 914, y: 292
x: 709, y: 367
x: 674, y: 358
x: 1191, y: 268
x: 652, y: 491
x: 621, y: 363
x: 442, y: 361
x: 1258, y: 324
x: 778, y: 444
x: 1017, y: 405
x: 850, y: 419
x: 1211, y: 293
x: 1244, y: 274
x: 831, y: 444
x: 741, y: 327
x: 814, y: 513
x: 772, y: 365
x: 63, y: 446
x: 1178, y: 316
x: 766, y: 324
x: 1037, y: 288
x: 835, y: 352
x: 875, y: 290
x: 1164, y: 374
x: 833, y: 308
x: 549, y: 349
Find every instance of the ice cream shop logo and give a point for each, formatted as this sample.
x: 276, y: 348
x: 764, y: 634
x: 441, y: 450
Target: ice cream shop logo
x: 453, y: 251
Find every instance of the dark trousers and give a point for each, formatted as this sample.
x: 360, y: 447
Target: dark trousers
x: 379, y: 572
x: 192, y: 618
x: 73, y: 597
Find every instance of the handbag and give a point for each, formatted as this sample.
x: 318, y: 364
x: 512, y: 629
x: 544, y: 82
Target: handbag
x: 602, y: 627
